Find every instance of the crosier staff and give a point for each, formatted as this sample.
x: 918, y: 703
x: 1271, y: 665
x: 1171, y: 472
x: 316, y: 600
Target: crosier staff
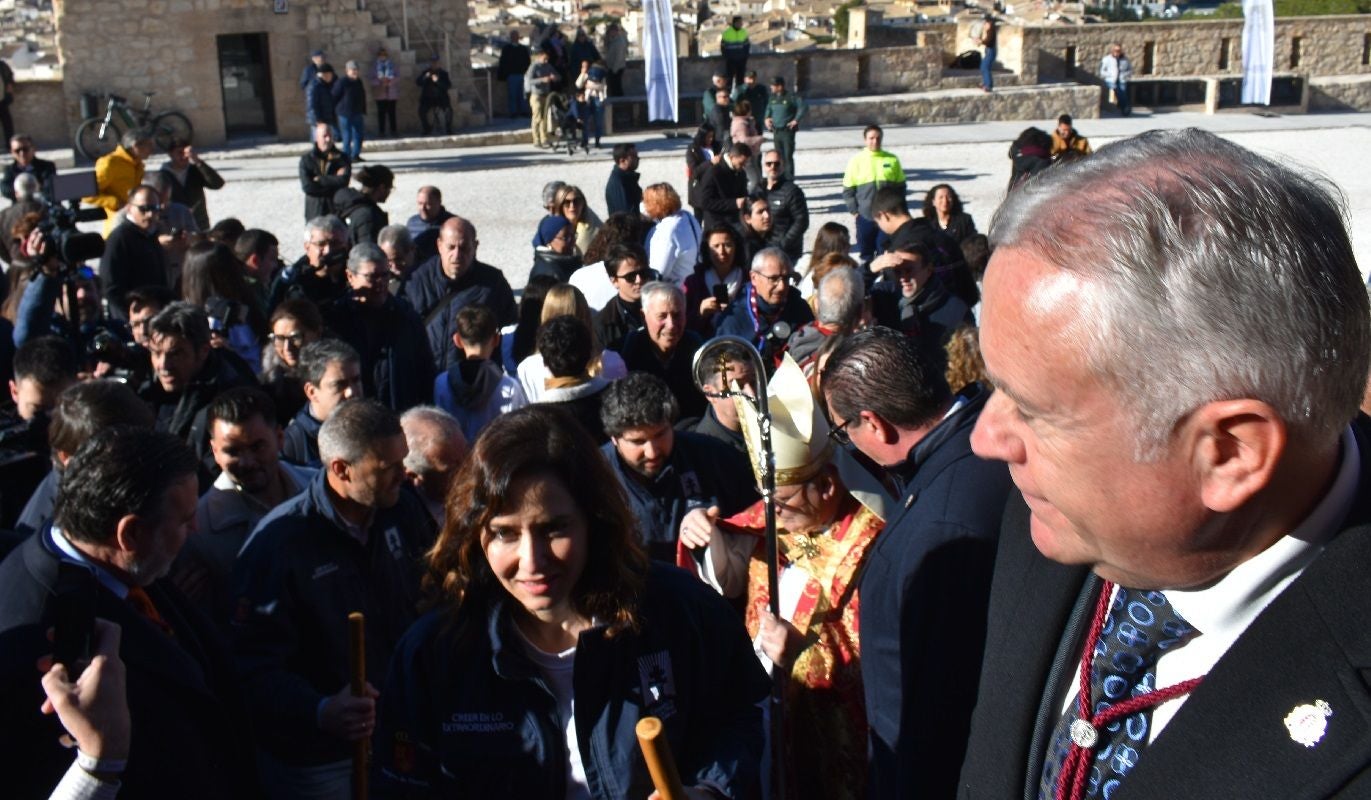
x: 713, y: 355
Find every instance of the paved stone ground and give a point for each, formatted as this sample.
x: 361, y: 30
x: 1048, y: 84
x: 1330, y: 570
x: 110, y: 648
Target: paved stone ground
x: 498, y: 187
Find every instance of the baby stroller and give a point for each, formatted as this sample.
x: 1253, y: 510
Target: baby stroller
x: 564, y: 122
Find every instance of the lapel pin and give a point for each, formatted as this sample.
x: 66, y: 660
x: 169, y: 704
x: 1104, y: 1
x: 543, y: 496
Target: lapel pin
x: 1308, y: 722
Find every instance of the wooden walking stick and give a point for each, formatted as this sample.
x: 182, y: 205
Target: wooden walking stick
x: 657, y: 754
x: 357, y: 662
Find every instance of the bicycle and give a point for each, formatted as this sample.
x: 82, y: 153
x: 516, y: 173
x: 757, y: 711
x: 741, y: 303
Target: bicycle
x: 98, y: 136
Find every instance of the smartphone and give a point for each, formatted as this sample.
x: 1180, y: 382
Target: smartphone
x: 73, y: 616
x: 721, y: 294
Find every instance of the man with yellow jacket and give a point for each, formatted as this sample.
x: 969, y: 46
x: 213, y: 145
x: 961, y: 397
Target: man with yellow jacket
x: 1066, y: 138
x: 119, y: 173
x: 868, y: 171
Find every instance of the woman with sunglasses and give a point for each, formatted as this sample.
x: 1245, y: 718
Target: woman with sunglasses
x: 570, y: 202
x: 552, y: 635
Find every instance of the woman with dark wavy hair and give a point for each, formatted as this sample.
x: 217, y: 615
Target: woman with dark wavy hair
x: 722, y: 263
x: 943, y: 206
x: 552, y: 635
x: 213, y: 278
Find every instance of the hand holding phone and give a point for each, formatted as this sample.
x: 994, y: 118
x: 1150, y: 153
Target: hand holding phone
x: 73, y: 616
x: 721, y: 293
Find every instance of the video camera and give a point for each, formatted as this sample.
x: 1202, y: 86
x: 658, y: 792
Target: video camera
x: 58, y: 227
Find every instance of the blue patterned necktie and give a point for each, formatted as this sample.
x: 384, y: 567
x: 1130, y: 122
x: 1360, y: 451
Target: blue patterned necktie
x: 1141, y: 626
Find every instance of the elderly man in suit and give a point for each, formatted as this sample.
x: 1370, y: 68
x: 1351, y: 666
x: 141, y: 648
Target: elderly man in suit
x: 1181, y: 595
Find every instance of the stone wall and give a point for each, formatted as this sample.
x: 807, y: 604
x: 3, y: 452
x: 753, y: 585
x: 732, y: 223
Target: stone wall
x: 176, y: 53
x: 1331, y: 45
x: 1082, y: 102
x: 33, y: 110
x: 819, y: 72
x: 903, y: 69
x: 1340, y: 93
x: 1010, y: 47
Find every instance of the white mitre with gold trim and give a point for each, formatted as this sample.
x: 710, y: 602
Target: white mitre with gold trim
x: 800, y: 440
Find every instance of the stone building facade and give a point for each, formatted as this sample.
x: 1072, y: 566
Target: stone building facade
x: 175, y: 47
x: 1314, y: 46
x: 233, y: 66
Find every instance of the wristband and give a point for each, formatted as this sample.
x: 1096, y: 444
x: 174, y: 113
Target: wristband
x: 98, y: 766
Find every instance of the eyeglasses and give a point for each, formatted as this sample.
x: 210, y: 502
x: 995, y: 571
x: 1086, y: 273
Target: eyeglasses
x: 24, y: 149
x: 294, y: 339
x: 771, y: 163
x: 152, y: 209
x: 380, y: 276
x: 780, y: 277
x: 634, y: 277
x: 573, y: 201
x: 839, y: 434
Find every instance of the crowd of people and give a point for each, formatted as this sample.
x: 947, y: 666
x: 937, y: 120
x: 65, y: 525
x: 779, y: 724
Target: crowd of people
x: 1131, y: 422
x: 340, y: 101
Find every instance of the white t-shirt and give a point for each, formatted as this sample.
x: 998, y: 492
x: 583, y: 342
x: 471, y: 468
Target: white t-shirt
x: 557, y: 670
x: 594, y: 284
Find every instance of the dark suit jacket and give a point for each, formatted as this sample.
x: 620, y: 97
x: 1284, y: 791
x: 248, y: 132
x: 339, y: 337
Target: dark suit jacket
x: 924, y: 590
x: 43, y: 170
x: 189, y: 736
x: 1313, y: 642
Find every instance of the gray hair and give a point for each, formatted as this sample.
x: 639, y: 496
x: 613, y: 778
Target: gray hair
x: 1202, y: 272
x: 841, y: 294
x: 637, y: 400
x: 366, y: 253
x: 550, y: 190
x: 133, y: 137
x: 354, y: 428
x: 759, y: 260
x: 328, y: 223
x: 25, y: 186
x: 661, y: 290
x: 396, y: 236
x: 425, y: 427
x: 316, y: 356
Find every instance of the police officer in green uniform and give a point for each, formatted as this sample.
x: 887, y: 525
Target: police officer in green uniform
x: 755, y: 94
x: 783, y: 115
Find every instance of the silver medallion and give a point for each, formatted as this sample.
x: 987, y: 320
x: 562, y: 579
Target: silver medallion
x: 1084, y: 734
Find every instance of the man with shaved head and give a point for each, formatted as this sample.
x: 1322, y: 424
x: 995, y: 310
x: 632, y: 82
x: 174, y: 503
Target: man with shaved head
x: 453, y: 280
x: 425, y: 226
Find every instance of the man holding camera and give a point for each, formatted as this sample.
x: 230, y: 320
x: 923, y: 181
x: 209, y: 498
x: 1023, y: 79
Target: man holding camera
x: 316, y: 276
